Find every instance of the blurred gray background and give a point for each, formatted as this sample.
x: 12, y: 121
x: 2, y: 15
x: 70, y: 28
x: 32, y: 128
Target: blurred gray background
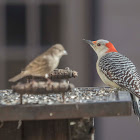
x: 28, y: 27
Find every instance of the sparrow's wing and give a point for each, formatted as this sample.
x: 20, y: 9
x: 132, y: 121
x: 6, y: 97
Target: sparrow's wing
x: 40, y: 66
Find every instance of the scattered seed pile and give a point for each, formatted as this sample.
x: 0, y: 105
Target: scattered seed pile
x: 78, y: 95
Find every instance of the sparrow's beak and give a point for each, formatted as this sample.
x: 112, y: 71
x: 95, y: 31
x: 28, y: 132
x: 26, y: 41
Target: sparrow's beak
x: 65, y: 52
x: 89, y: 42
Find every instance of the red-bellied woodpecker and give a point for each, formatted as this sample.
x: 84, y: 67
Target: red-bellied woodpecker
x: 116, y: 70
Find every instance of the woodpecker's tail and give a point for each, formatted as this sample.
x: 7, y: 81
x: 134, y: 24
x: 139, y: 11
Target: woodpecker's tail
x: 18, y: 77
x: 136, y: 105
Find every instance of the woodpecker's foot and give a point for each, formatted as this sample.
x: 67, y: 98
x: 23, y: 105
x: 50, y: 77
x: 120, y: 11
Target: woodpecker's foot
x: 115, y: 90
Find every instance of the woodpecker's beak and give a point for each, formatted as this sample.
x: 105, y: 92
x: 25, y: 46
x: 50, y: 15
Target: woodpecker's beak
x: 65, y: 52
x: 88, y: 42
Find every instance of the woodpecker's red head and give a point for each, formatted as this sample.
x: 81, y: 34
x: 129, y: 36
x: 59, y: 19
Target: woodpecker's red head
x: 101, y: 47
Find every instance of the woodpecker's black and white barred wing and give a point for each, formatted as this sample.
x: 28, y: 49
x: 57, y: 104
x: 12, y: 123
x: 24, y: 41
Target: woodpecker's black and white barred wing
x: 119, y: 69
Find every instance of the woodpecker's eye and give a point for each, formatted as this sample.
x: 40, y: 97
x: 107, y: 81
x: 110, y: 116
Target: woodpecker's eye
x: 98, y: 44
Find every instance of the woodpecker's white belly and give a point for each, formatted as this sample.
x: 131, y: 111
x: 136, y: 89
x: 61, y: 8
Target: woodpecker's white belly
x: 105, y: 79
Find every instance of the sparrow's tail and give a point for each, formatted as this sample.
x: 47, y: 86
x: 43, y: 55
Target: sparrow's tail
x: 136, y: 105
x: 18, y: 77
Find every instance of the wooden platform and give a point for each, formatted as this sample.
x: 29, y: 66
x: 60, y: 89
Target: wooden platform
x: 114, y: 104
x: 47, y: 117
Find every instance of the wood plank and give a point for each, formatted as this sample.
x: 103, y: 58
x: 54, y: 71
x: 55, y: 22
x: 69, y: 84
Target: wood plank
x: 9, y: 131
x: 38, y: 112
x: 45, y: 130
x: 75, y: 129
x: 111, y: 105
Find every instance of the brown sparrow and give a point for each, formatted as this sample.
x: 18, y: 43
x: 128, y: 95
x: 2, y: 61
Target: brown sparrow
x: 42, y: 65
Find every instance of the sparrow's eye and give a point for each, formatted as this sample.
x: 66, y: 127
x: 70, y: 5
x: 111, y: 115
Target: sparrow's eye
x: 98, y: 44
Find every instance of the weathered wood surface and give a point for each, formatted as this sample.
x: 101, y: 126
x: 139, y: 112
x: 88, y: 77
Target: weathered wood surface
x: 112, y: 105
x: 46, y: 130
x: 61, y: 121
x: 74, y: 129
x: 9, y: 131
